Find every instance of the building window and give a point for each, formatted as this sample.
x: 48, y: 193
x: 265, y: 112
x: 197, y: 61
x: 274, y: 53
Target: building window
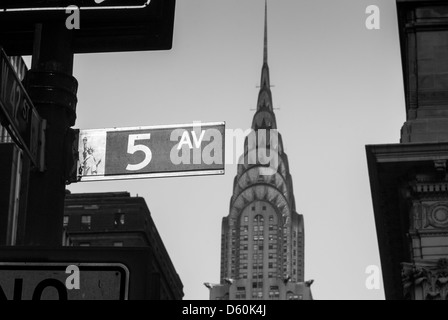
x: 118, y: 244
x: 241, y: 293
x: 258, y: 256
x: 246, y: 219
x: 271, y: 218
x: 253, y: 208
x: 274, y: 292
x: 86, y: 220
x: 119, y: 219
x: 66, y: 218
x: 264, y: 207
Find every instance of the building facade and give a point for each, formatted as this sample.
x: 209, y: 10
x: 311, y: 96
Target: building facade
x: 262, y: 244
x: 409, y: 181
x: 12, y: 186
x: 117, y: 219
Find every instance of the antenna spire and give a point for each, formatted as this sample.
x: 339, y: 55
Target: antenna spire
x: 265, y: 51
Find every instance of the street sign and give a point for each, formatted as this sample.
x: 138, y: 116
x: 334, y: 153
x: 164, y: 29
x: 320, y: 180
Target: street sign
x: 48, y: 281
x: 104, y: 273
x: 105, y: 26
x: 17, y: 5
x: 19, y: 66
x: 17, y: 111
x: 150, y: 152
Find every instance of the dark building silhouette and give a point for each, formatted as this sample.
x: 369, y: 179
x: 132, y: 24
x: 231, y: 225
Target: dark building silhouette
x: 11, y: 184
x: 10, y: 174
x: 409, y: 182
x: 262, y: 250
x: 117, y: 219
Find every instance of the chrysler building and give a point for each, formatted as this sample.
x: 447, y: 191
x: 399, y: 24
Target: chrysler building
x: 262, y: 241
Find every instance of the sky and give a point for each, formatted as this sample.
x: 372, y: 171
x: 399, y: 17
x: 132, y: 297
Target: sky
x: 337, y: 87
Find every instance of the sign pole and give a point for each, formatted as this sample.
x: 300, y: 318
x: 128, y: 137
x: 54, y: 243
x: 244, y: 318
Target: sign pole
x: 52, y: 89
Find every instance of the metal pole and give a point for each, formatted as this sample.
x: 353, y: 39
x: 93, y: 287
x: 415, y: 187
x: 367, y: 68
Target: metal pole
x: 52, y: 89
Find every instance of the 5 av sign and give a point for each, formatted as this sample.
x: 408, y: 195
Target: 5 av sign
x: 147, y: 152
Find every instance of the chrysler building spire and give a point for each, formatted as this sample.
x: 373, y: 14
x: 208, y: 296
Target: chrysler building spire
x: 265, y: 51
x: 264, y: 118
x: 262, y: 248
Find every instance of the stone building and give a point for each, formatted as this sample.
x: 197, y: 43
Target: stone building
x: 409, y: 182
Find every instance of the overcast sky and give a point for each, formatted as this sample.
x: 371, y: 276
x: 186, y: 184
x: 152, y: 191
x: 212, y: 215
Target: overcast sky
x: 337, y: 87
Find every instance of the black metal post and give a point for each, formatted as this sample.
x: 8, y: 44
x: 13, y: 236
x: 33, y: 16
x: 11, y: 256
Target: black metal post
x: 52, y: 89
